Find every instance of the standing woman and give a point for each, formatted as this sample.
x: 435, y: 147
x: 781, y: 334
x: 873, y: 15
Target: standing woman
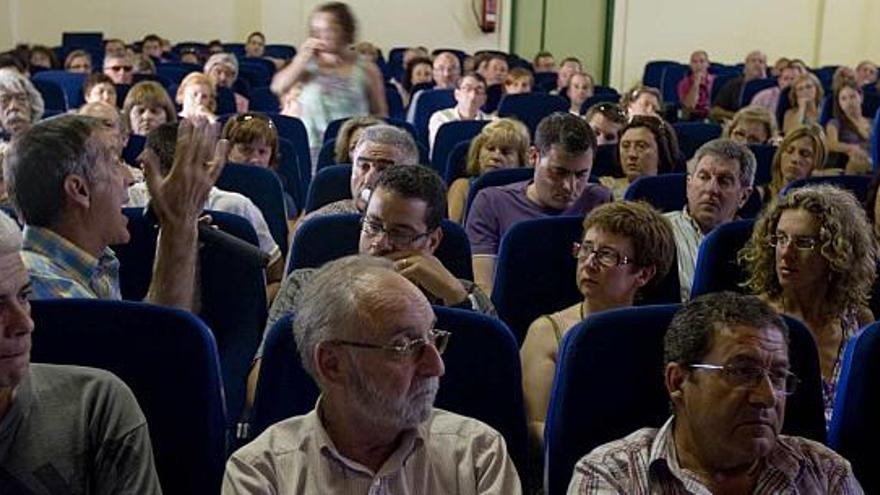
x: 336, y: 82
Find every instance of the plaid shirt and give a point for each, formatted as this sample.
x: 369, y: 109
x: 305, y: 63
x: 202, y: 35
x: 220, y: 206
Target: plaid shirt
x: 59, y: 269
x: 646, y: 462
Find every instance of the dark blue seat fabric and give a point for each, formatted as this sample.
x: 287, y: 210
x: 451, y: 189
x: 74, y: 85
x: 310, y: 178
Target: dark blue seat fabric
x: 168, y: 358
x: 616, y: 352
x: 70, y: 82
x: 672, y: 74
x: 530, y: 108
x: 333, y: 127
x: 236, y: 49
x: 545, y: 81
x: 82, y: 39
x: 448, y: 136
x: 456, y: 162
x: 284, y: 52
x: 263, y: 188
x: 256, y: 71
x: 653, y: 73
x: 875, y: 140
x: 327, y: 154
x: 482, y: 378
x: 692, y: 135
x: 53, y: 95
x: 782, y: 105
x: 164, y: 81
x: 764, y: 156
x: 494, y: 93
x: 605, y: 163
x: 427, y: 103
x: 294, y: 176
x: 717, y: 268
x: 753, y: 87
x: 394, y: 102
x: 599, y: 98
x: 855, y: 432
x: 856, y: 184
x: 668, y: 192
x: 225, y: 101
x: 496, y: 178
x: 175, y: 72
x: 133, y: 149
x: 329, y: 237
x: 331, y: 183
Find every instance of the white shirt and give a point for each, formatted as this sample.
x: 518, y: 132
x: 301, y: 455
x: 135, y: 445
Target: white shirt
x: 441, y: 117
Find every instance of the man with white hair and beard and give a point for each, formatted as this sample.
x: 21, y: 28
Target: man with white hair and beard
x: 371, y: 346
x: 20, y: 103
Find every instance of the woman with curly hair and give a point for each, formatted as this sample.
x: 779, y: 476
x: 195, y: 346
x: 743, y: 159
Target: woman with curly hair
x: 813, y: 256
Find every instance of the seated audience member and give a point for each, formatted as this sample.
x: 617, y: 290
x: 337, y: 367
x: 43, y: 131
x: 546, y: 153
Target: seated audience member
x: 151, y: 46
x: 78, y: 61
x: 769, y: 97
x: 118, y: 133
x: 42, y: 57
x: 776, y: 69
x: 255, y: 45
x: 727, y: 362
x: 866, y: 73
x: 695, y: 88
x: 470, y: 96
x: 348, y: 137
x: 495, y: 69
x: 222, y: 69
x: 800, y: 154
x: 146, y: 107
x: 719, y: 182
x: 99, y: 87
x: 75, y: 429
x: 253, y: 140
x: 413, y: 53
x: 197, y: 96
x: 143, y: 64
x: 375, y: 418
x: 580, y: 88
x: 849, y: 131
x: 544, y: 62
x: 843, y: 75
x: 806, y: 102
x: 726, y: 102
x: 11, y: 60
x: 161, y: 142
x: 813, y: 256
x: 518, y: 81
x: 214, y: 47
x: 119, y: 68
x: 503, y: 143
x: 418, y: 71
x: 644, y: 101
x: 190, y: 56
x: 569, y: 67
x: 753, y: 124
x: 562, y: 157
x: 647, y: 147
x: 367, y: 51
x: 69, y: 189
x: 607, y: 120
x: 21, y: 105
x: 378, y: 147
x: 114, y: 47
x: 626, y: 247
x: 446, y: 70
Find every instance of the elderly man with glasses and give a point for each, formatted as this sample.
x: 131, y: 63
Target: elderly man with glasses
x: 371, y: 346
x: 727, y: 374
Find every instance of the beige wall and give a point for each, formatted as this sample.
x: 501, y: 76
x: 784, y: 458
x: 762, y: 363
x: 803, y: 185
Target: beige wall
x: 819, y: 31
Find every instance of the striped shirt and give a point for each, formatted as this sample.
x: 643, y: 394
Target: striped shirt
x: 59, y: 269
x: 646, y: 462
x: 688, y: 237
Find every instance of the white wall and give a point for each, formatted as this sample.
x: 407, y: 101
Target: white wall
x: 819, y: 31
x: 388, y: 23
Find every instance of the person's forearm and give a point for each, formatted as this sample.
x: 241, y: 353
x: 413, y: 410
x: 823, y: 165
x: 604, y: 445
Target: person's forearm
x: 690, y: 99
x: 174, y: 270
x: 288, y: 76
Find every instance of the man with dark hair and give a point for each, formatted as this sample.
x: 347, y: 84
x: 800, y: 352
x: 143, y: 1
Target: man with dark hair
x: 152, y: 47
x: 727, y: 374
x: 562, y: 157
x: 726, y: 102
x: 255, y: 45
x: 470, y: 96
x: 544, y: 62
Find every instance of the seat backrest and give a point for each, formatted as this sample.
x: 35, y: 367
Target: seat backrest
x: 530, y: 108
x: 168, y: 358
x: 284, y: 52
x: 261, y: 186
x: 327, y: 154
x: 721, y: 80
x: 653, y: 73
x: 764, y: 155
x: 672, y: 74
x: 692, y: 135
x: 394, y: 102
x: 294, y: 177
x: 617, y: 356
x: 225, y: 101
x: 292, y: 129
x: 875, y: 140
x: 753, y: 87
x: 855, y: 431
x: 456, y: 161
x: 494, y: 93
x: 717, y: 268
x: 478, y: 342
x: 448, y: 136
x: 606, y: 162
x: 430, y: 101
x: 53, y: 95
x: 70, y: 82
x: 546, y: 81
x: 329, y: 237
x: 496, y: 178
x: 856, y: 184
x: 175, y: 72
x: 331, y: 184
x: 666, y: 192
x: 599, y: 98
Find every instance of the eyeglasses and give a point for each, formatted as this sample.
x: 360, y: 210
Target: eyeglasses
x: 750, y: 376
x: 801, y: 243
x: 124, y: 68
x: 605, y: 257
x: 395, y: 237
x: 7, y: 98
x: 411, y: 349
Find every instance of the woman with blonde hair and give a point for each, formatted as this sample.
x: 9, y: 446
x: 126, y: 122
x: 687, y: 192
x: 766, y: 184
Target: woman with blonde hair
x: 800, y: 154
x: 753, y: 124
x: 146, y: 107
x: 805, y: 97
x: 349, y: 134
x: 198, y: 96
x: 813, y: 256
x: 503, y: 143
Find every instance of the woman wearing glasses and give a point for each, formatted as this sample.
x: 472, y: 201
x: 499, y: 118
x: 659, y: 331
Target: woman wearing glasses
x: 812, y: 256
x: 626, y: 247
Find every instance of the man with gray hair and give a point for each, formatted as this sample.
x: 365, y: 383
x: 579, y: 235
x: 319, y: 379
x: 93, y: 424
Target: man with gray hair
x: 719, y: 182
x: 63, y: 429
x: 68, y: 185
x: 20, y: 103
x: 222, y: 69
x: 378, y: 147
x: 371, y: 346
x: 119, y: 67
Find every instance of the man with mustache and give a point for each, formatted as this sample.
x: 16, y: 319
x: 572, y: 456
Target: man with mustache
x: 562, y: 157
x: 371, y: 346
x: 727, y: 375
x: 719, y: 182
x: 20, y: 103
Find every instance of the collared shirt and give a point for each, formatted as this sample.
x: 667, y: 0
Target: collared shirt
x: 441, y: 117
x: 688, y: 237
x: 59, y: 269
x: 446, y: 454
x: 646, y: 462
